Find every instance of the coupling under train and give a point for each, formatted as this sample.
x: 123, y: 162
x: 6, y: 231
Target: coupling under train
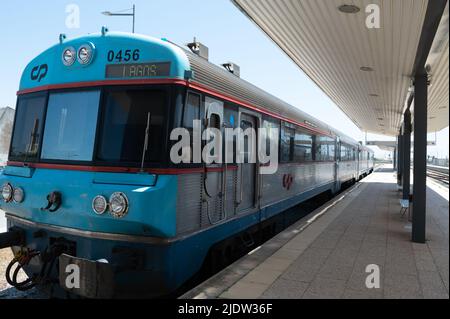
x: 89, y: 180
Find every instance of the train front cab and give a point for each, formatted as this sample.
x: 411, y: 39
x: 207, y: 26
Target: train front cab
x: 78, y: 141
x: 132, y: 233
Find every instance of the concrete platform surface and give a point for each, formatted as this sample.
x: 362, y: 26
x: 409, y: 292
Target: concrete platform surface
x: 326, y: 254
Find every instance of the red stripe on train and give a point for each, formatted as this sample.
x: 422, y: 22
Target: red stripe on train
x: 192, y: 85
x: 108, y: 169
x: 101, y: 83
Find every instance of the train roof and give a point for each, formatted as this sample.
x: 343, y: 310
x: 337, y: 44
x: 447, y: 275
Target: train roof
x: 223, y: 81
x: 184, y: 65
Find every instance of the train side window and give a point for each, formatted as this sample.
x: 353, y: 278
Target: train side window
x: 331, y: 149
x: 303, y: 147
x: 348, y: 152
x: 344, y: 153
x: 287, y: 144
x: 323, y: 146
x: 214, y: 121
x: 272, y: 128
x: 191, y: 110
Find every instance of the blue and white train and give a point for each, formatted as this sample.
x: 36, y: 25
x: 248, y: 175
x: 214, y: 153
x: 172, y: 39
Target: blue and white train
x: 89, y: 180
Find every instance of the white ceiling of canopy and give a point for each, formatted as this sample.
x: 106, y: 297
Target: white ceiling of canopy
x: 331, y: 47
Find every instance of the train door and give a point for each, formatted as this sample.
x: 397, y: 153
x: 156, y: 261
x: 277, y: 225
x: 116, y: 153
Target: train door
x: 247, y: 169
x: 213, y: 185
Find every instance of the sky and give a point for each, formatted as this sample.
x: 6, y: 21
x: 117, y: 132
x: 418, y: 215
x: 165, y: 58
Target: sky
x: 30, y: 27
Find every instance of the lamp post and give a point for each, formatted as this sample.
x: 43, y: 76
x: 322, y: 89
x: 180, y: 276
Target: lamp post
x: 119, y: 14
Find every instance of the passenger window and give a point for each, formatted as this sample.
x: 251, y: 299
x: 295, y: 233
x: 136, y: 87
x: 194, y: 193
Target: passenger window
x: 191, y: 110
x: 343, y: 153
x: 287, y: 144
x: 214, y: 121
x: 303, y: 147
x: 272, y: 130
x: 332, y: 149
x: 323, y: 148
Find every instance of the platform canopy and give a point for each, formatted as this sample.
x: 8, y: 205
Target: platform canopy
x: 367, y: 71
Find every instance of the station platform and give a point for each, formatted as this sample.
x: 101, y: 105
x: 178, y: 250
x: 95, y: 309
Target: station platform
x: 325, y: 254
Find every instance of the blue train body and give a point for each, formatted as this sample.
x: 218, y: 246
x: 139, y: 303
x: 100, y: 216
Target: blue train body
x: 163, y: 240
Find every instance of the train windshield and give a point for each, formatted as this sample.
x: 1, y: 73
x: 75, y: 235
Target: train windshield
x: 28, y: 128
x: 126, y: 116
x: 70, y: 126
x: 88, y: 126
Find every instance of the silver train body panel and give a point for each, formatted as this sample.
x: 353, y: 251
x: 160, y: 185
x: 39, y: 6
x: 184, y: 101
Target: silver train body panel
x: 202, y: 204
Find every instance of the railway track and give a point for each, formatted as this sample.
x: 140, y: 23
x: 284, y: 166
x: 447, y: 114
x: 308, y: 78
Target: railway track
x: 438, y: 173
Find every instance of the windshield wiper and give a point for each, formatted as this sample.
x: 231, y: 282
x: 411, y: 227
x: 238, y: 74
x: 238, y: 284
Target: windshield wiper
x: 145, y: 148
x: 33, y: 139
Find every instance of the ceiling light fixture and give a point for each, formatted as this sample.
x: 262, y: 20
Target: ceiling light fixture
x: 366, y: 69
x: 349, y: 8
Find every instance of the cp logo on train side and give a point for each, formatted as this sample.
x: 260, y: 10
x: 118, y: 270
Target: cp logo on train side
x: 288, y: 180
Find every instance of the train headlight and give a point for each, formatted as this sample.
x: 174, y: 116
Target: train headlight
x: 7, y: 192
x: 69, y: 55
x: 85, y: 54
x: 18, y: 195
x: 118, y: 205
x: 99, y: 205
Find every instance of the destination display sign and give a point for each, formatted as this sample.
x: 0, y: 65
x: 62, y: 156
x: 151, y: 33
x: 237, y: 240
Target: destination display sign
x: 138, y: 70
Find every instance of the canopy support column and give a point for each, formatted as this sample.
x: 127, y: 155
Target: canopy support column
x: 400, y: 158
x: 420, y: 157
x: 406, y: 145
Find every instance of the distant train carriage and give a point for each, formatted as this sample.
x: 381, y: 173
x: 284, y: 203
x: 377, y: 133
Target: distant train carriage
x: 90, y: 181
